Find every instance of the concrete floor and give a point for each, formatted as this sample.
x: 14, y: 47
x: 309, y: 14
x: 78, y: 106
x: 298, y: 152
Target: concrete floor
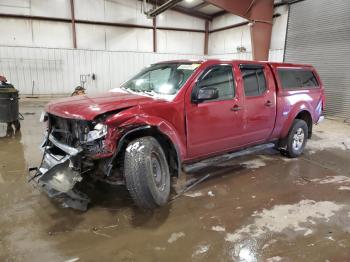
x: 259, y: 208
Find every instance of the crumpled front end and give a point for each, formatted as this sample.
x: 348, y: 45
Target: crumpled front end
x: 70, y: 150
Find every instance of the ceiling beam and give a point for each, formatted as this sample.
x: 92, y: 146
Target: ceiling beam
x: 199, y: 6
x: 220, y: 13
x: 162, y: 8
x: 191, y: 12
x: 240, y: 7
x: 182, y: 10
x: 236, y: 25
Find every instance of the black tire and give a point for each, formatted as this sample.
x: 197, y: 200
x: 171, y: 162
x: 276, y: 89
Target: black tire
x: 147, y: 173
x: 296, y: 139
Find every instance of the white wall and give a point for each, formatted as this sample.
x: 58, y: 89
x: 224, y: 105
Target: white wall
x: 19, y: 32
x: 41, y: 51
x: 50, y: 8
x: 227, y: 41
x: 57, y: 71
x: 226, y: 20
x: 185, y: 42
x: 274, y: 55
x: 279, y: 28
x: 175, y: 19
x: 15, y: 32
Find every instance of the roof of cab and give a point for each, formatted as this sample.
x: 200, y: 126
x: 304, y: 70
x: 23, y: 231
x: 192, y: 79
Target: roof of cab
x: 273, y: 64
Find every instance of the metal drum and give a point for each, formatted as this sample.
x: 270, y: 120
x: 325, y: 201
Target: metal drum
x: 8, y: 105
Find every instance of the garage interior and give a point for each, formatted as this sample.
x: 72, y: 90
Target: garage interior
x: 259, y: 207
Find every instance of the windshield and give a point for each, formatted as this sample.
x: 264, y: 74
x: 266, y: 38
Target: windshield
x: 161, y: 80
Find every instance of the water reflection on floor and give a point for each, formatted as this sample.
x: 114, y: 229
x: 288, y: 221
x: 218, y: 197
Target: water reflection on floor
x: 258, y: 208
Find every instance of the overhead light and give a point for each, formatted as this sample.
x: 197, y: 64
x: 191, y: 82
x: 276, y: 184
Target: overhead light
x: 189, y: 1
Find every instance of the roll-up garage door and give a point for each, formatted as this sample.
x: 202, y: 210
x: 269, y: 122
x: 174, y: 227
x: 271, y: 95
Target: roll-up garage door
x: 318, y: 33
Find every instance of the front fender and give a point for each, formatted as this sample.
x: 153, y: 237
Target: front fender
x: 163, y: 126
x: 135, y: 118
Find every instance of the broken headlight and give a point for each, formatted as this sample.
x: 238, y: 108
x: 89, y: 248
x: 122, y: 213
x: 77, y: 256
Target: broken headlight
x: 99, y: 131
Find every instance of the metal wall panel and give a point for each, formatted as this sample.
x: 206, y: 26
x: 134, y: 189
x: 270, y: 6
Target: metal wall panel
x: 319, y: 34
x: 227, y: 41
x: 57, y: 71
x: 181, y: 42
x: 274, y: 56
x: 226, y: 20
x: 175, y: 19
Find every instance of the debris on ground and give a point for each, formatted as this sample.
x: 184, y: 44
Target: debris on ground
x: 175, y: 236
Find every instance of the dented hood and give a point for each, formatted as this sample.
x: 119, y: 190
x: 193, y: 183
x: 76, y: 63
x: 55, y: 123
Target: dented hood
x: 88, y: 107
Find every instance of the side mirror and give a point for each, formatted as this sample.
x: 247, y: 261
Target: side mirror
x: 206, y: 93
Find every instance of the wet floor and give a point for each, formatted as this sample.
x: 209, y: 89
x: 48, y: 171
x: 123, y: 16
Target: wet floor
x: 262, y: 207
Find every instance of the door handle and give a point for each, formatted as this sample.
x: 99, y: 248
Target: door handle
x: 236, y: 108
x: 268, y: 103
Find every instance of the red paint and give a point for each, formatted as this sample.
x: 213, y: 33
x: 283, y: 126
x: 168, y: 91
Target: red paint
x: 204, y: 129
x: 86, y: 107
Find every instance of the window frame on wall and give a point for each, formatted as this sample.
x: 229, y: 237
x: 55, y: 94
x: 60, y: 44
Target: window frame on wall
x: 300, y: 86
x: 207, y: 71
x: 256, y: 67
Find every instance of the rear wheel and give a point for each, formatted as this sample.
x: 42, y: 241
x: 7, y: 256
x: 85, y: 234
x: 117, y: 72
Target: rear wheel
x: 296, y: 139
x: 146, y: 173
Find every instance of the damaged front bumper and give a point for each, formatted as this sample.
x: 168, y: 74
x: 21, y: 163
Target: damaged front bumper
x: 58, y: 173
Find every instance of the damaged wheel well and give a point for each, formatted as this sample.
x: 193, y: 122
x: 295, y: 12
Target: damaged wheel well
x: 167, y: 145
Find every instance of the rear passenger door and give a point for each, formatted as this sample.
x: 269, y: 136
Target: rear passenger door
x: 259, y: 101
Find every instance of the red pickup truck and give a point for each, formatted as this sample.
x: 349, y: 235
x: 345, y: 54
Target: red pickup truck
x: 170, y: 115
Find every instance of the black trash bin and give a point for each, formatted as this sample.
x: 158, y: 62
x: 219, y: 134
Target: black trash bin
x: 9, y: 105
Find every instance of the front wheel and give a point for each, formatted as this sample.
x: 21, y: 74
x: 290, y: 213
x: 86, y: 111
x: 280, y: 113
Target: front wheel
x: 147, y: 173
x: 296, y: 139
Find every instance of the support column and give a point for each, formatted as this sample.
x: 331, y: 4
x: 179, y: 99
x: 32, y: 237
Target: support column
x: 155, y: 34
x: 260, y: 34
x: 260, y: 15
x: 74, y: 33
x: 206, y: 37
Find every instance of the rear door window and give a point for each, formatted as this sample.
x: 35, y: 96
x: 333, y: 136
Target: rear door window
x: 253, y: 80
x: 297, y: 78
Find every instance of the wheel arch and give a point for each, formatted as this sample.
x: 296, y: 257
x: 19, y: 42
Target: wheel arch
x: 169, y: 147
x: 300, y: 112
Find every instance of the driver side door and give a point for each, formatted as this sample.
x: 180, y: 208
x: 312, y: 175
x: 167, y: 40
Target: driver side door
x: 213, y: 126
